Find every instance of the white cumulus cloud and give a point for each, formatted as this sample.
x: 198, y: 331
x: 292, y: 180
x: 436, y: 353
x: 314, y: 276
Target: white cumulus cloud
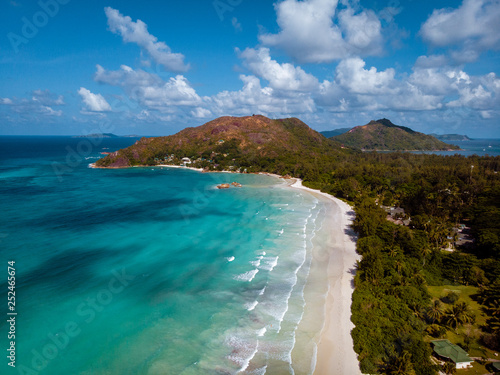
x: 476, y: 92
x: 473, y: 27
x: 45, y: 97
x: 149, y: 90
x: 358, y: 88
x: 94, y: 102
x: 49, y: 111
x: 316, y: 31
x: 6, y: 101
x: 280, y: 76
x: 352, y: 75
x: 137, y: 32
x: 40, y: 103
x: 253, y: 98
x: 200, y: 112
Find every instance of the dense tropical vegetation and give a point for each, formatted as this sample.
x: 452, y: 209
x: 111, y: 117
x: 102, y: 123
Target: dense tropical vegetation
x: 394, y: 311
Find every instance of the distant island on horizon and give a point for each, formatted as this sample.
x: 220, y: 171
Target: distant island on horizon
x: 106, y: 135
x: 451, y: 137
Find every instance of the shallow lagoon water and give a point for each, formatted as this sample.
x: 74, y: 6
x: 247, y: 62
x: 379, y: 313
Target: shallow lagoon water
x: 151, y: 270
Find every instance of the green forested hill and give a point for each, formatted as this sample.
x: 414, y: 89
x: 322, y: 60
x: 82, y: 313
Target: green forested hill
x: 252, y: 142
x: 383, y: 135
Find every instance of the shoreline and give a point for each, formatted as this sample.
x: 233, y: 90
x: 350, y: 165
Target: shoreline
x: 333, y: 345
x: 335, y: 348
x: 179, y: 167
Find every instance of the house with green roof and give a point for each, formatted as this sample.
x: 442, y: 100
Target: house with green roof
x: 451, y: 352
x: 496, y: 366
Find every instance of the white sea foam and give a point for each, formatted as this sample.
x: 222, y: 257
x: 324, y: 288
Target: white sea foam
x: 256, y: 263
x: 243, y: 351
x: 247, y: 276
x: 230, y: 259
x: 251, y: 305
x: 260, y: 371
x: 269, y: 263
x: 279, y: 306
x: 276, y: 304
x: 246, y: 362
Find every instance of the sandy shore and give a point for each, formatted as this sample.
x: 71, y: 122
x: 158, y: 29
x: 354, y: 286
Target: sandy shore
x: 180, y: 167
x: 335, y: 352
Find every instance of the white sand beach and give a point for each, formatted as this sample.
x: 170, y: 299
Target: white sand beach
x: 180, y: 167
x: 335, y: 352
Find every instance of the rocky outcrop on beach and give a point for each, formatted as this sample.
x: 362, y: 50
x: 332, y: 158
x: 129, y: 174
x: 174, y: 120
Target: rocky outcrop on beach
x: 227, y: 186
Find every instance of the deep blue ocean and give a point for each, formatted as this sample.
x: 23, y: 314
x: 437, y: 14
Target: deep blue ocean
x: 148, y: 270
x: 480, y: 147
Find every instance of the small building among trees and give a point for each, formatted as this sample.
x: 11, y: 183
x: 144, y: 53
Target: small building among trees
x: 447, y: 351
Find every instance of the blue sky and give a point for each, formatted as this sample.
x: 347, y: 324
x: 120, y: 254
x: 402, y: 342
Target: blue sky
x: 155, y: 67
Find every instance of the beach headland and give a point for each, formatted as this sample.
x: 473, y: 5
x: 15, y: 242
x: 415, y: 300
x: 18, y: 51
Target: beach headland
x: 335, y: 349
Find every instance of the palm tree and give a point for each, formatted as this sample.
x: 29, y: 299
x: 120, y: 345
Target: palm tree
x: 458, y: 314
x: 452, y: 317
x: 399, y: 266
x: 393, y: 253
x: 424, y: 251
x: 466, y: 315
x: 419, y: 279
x: 400, y: 365
x: 494, y: 323
x: 435, y: 311
x: 493, y: 308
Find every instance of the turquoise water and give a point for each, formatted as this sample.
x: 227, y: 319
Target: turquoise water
x: 149, y: 270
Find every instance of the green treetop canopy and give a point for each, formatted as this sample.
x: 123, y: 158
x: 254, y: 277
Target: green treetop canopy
x: 444, y: 348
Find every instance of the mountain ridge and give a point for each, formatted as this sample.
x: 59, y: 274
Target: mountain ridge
x: 383, y: 135
x: 237, y: 142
